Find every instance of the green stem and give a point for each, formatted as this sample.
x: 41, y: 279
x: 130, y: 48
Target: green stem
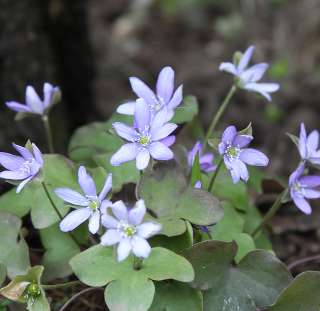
x: 218, y: 115
x: 214, y: 176
x: 271, y: 212
x: 54, y: 286
x: 46, y: 123
x: 45, y: 188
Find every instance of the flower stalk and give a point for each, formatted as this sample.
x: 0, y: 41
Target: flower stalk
x: 274, y: 208
x: 47, y: 127
x: 214, y: 175
x: 61, y: 285
x: 218, y: 116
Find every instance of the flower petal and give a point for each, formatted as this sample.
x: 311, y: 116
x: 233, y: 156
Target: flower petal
x: 127, y: 108
x: 71, y: 196
x: 165, y: 84
x: 148, y: 229
x: 23, y: 184
x: 106, y: 188
x: 163, y: 131
x: 245, y: 59
x: 94, y: 222
x: 263, y: 88
x: 37, y: 154
x: 124, y: 249
x: 309, y: 181
x: 143, y: 91
x: 142, y: 159
x: 26, y: 154
x: 160, y: 118
x: 161, y: 152
x: 168, y: 141
x: 302, y: 204
x: 137, y: 213
x: 75, y: 219
x: 142, y: 114
x: 111, y: 237
x: 313, y: 141
x: 48, y: 90
x: 33, y: 100
x: 140, y: 247
x: 126, y: 153
x: 125, y: 131
x: 253, y: 157
x: 254, y: 73
x: 296, y: 174
x: 311, y: 194
x: 86, y: 182
x: 14, y: 175
x: 228, y: 67
x: 11, y: 162
x: 18, y: 107
x: 242, y: 140
x: 176, y: 98
x: 229, y: 134
x: 109, y: 221
x: 120, y: 210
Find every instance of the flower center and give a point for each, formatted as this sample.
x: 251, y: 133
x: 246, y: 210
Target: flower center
x: 32, y: 292
x: 232, y: 152
x: 93, y: 204
x: 144, y: 140
x: 296, y: 187
x: 127, y: 230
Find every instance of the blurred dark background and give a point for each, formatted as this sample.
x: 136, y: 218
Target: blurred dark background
x: 90, y: 48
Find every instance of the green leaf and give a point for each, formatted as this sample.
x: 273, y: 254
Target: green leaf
x: 96, y: 138
x: 167, y: 193
x: 186, y: 111
x: 18, y: 204
x: 134, y: 293
x: 3, y: 273
x: 175, y: 296
x: 60, y: 248
x: 247, y: 130
x: 40, y: 304
x: 13, y: 254
x: 121, y: 175
x: 294, y: 139
x: 225, y: 189
x: 98, y: 266
x: 302, y: 294
x: 254, y: 283
x: 170, y: 226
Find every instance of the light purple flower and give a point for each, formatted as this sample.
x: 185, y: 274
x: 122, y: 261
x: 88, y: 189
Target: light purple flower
x: 128, y: 230
x: 247, y: 78
x: 148, y: 138
x: 308, y: 145
x: 235, y: 156
x: 33, y: 103
x: 164, y: 97
x: 205, y: 160
x: 90, y: 205
x: 302, y: 188
x: 23, y: 168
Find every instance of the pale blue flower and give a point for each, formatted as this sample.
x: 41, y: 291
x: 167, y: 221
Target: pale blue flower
x: 88, y: 206
x: 21, y: 168
x: 247, y: 78
x: 149, y: 137
x: 128, y: 230
x: 33, y: 103
x: 165, y: 97
x: 308, y: 145
x: 205, y: 160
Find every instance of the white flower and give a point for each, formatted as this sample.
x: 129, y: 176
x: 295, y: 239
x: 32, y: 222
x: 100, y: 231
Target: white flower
x: 127, y: 230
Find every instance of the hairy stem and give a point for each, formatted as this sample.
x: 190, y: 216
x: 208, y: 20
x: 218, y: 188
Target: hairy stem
x: 271, y: 212
x: 47, y: 127
x: 214, y: 176
x: 303, y: 261
x: 218, y: 116
x: 67, y: 284
x: 45, y: 188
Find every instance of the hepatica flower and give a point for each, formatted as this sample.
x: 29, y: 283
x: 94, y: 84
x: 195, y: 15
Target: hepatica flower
x: 33, y: 103
x: 303, y: 188
x: 205, y: 160
x: 164, y: 96
x: 21, y: 168
x: 308, y: 145
x: 248, y: 78
x: 148, y: 138
x: 236, y: 156
x: 128, y: 231
x: 88, y: 205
